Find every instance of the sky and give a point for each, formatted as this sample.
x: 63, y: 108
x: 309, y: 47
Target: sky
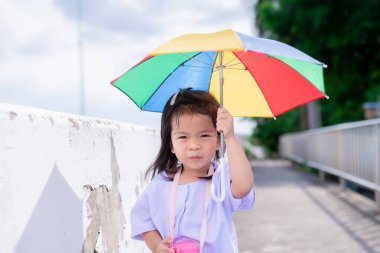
x: 40, y: 57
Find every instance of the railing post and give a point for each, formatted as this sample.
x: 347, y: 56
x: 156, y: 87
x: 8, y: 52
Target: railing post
x: 342, y: 181
x: 322, y: 175
x: 376, y: 162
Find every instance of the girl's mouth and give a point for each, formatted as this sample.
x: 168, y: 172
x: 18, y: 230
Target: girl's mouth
x: 194, y: 157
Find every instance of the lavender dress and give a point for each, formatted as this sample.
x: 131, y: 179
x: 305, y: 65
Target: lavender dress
x: 151, y: 212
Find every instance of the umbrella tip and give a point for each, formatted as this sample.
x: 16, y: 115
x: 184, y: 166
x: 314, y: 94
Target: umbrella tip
x: 326, y: 96
x: 324, y: 66
x: 274, y: 118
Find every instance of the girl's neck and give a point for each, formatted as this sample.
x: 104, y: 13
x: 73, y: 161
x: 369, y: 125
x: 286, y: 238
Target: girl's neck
x: 189, y: 175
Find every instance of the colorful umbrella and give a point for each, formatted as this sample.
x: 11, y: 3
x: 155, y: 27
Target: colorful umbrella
x: 251, y: 76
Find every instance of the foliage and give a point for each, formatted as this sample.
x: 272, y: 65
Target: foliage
x: 268, y: 138
x: 344, y: 34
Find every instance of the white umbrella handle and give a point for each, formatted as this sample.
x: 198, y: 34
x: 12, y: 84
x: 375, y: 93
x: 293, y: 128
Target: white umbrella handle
x: 222, y: 172
x: 222, y: 183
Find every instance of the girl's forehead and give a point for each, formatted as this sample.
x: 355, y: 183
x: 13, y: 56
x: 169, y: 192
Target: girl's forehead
x: 189, y: 121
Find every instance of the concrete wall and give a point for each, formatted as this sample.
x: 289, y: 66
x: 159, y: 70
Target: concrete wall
x: 68, y: 183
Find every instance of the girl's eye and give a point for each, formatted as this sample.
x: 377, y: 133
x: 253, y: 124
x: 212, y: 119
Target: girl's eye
x: 205, y: 135
x: 181, y: 137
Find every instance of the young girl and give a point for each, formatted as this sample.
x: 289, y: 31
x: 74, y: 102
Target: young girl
x: 175, y: 208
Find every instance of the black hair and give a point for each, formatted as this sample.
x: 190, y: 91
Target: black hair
x: 186, y: 101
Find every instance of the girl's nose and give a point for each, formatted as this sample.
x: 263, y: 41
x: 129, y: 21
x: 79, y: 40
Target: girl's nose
x: 194, y: 145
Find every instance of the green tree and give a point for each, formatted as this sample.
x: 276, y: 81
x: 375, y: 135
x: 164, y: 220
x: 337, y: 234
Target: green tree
x: 344, y: 34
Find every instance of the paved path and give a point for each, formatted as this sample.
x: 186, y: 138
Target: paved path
x: 295, y: 213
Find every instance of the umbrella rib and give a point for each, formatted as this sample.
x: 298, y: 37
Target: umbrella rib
x: 229, y: 66
x: 214, y: 70
x: 193, y: 58
x: 235, y: 69
x: 231, y: 61
x: 237, y: 58
x: 193, y: 66
x: 258, y: 59
x: 239, y: 63
x: 208, y: 56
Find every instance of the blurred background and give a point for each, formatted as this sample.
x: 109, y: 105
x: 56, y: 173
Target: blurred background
x: 61, y: 55
x: 345, y: 35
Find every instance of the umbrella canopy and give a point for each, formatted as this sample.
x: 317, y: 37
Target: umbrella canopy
x: 251, y: 77
x: 262, y: 77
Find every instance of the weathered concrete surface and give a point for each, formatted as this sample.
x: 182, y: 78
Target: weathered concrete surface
x: 295, y: 212
x: 106, y: 213
x: 68, y: 183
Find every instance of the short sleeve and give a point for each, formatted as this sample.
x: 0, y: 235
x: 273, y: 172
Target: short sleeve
x: 245, y: 203
x: 141, y: 220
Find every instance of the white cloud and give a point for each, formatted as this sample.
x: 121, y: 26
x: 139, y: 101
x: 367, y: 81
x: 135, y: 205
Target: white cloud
x: 39, y: 57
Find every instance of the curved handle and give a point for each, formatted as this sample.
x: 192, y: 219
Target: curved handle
x: 221, y: 170
x: 222, y: 184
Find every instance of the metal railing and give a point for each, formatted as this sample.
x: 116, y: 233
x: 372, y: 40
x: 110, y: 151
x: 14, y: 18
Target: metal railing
x: 350, y: 151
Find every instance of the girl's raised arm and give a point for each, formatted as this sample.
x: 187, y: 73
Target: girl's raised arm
x: 241, y: 173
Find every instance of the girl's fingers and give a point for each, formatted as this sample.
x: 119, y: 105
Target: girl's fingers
x: 223, y: 111
x: 224, y: 123
x: 164, y: 246
x: 222, y: 115
x: 168, y: 242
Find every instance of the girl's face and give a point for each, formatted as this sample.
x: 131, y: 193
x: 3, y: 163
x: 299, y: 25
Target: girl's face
x: 194, y: 141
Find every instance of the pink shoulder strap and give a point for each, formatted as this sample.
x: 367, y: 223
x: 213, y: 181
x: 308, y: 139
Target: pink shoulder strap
x: 173, y: 197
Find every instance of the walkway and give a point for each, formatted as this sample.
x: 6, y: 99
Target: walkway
x: 295, y: 212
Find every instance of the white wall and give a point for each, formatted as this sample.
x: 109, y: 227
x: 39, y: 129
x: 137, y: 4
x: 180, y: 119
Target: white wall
x: 64, y: 176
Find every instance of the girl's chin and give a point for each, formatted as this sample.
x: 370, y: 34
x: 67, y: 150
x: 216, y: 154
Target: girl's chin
x: 197, y: 167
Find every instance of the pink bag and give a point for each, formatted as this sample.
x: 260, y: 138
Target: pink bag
x: 186, y: 247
